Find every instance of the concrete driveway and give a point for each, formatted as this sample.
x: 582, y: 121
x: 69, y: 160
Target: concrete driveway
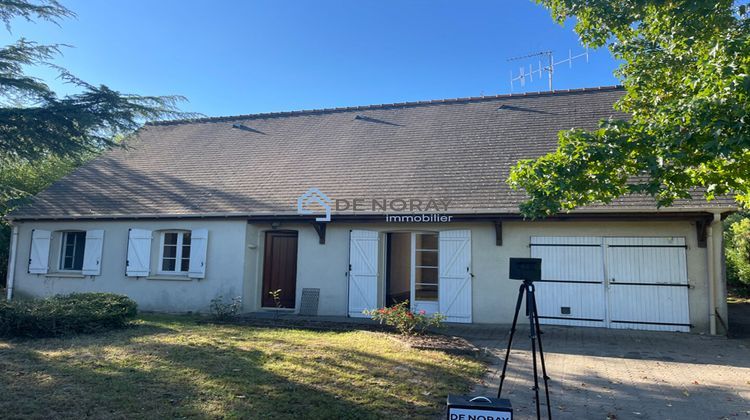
x: 622, y: 374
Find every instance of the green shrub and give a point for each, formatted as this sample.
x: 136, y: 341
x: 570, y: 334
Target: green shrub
x: 737, y: 250
x: 404, y: 320
x: 58, y: 315
x: 222, y: 311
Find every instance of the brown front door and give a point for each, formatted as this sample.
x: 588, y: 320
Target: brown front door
x: 280, y: 268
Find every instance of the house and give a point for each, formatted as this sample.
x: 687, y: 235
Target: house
x: 367, y: 206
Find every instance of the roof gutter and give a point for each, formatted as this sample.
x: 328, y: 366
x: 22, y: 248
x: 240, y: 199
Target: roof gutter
x: 508, y: 214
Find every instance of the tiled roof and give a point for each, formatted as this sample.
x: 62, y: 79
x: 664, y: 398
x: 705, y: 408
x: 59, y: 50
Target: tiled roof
x: 458, y: 149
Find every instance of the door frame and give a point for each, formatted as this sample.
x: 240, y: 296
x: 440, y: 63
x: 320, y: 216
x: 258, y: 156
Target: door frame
x: 263, y: 267
x: 412, y: 265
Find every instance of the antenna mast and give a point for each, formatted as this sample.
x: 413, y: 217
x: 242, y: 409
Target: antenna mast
x: 549, y: 68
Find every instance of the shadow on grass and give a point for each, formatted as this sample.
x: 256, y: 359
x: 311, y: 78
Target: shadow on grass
x: 154, y: 371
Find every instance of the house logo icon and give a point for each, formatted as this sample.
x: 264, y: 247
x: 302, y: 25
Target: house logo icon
x: 312, y: 197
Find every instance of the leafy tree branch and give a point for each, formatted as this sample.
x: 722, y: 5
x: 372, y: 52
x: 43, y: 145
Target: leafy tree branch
x: 686, y: 71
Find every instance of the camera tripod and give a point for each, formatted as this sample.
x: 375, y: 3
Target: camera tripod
x: 535, y: 334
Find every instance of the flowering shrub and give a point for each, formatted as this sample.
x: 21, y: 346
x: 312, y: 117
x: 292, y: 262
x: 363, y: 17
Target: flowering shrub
x: 404, y: 320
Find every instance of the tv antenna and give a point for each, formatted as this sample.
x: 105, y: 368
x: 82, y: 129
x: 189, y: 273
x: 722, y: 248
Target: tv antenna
x: 548, y: 67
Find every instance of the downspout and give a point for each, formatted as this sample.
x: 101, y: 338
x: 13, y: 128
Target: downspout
x: 714, y: 267
x: 12, y: 262
x: 718, y: 268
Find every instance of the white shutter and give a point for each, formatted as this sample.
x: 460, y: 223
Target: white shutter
x: 39, y: 256
x: 198, y: 247
x: 92, y: 253
x: 363, y: 272
x: 454, y: 266
x: 139, y: 253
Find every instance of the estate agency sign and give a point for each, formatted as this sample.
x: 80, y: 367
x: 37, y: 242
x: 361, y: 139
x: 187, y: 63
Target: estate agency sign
x: 478, y: 408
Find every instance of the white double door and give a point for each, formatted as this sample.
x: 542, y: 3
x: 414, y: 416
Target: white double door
x: 614, y: 282
x: 454, y: 276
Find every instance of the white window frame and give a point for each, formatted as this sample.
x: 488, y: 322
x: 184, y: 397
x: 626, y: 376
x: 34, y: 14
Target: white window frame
x: 61, y: 262
x: 178, y: 253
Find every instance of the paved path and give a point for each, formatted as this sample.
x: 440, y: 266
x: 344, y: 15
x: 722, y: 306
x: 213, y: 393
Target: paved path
x: 622, y: 374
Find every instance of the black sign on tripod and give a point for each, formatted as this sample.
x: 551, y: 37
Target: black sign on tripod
x: 528, y: 270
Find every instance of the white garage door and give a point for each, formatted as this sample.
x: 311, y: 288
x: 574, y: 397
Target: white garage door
x: 636, y: 283
x: 572, y: 288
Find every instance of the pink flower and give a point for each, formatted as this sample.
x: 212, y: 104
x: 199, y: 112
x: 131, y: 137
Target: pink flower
x: 422, y: 312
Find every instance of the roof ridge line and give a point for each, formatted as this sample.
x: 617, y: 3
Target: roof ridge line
x: 379, y: 106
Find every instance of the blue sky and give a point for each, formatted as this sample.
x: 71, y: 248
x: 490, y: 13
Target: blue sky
x: 238, y: 57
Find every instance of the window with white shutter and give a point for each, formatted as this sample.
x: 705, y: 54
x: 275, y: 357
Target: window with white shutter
x: 72, y: 249
x: 174, y: 252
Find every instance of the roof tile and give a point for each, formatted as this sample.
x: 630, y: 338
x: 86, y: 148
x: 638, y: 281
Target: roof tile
x: 459, y: 149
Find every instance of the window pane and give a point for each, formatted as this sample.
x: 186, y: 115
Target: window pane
x: 170, y: 238
x: 426, y: 275
x: 186, y: 250
x: 80, y: 244
x: 168, y: 264
x: 170, y: 251
x: 425, y: 292
x: 427, y: 241
x: 72, y: 250
x: 429, y: 258
x: 185, y: 263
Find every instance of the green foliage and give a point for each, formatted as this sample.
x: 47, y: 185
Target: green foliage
x: 20, y: 179
x: 686, y: 70
x: 276, y: 296
x: 224, y: 311
x: 404, y: 320
x: 43, y: 136
x: 59, y: 315
x: 737, y: 248
x: 49, y: 10
x: 35, y: 122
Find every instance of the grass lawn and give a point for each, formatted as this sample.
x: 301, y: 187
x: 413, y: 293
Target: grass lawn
x: 171, y: 367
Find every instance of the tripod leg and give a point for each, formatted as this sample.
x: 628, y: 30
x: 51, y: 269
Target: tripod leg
x: 541, y: 355
x: 532, y: 336
x: 510, y: 339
